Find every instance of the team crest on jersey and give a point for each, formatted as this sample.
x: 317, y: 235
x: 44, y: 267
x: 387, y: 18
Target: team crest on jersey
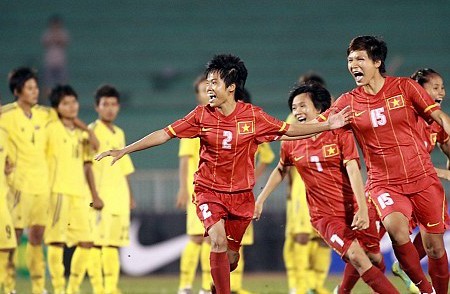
x: 245, y: 127
x: 433, y: 138
x: 395, y: 102
x: 330, y: 150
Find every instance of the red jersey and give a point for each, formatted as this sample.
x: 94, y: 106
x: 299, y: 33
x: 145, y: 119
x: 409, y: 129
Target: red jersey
x: 227, y: 143
x: 387, y: 128
x: 321, y: 164
x: 432, y: 134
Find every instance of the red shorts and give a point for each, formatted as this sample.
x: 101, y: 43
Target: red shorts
x: 339, y: 235
x: 427, y: 204
x: 235, y: 208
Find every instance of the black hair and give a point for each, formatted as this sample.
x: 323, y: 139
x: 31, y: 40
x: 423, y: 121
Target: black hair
x: 319, y: 95
x: 18, y: 77
x: 106, y: 91
x: 375, y: 47
x: 246, y: 96
x: 311, y: 77
x: 231, y: 70
x: 59, y: 92
x: 423, y: 75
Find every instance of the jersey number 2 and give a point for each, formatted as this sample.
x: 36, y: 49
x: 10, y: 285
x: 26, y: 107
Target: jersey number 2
x: 226, y: 141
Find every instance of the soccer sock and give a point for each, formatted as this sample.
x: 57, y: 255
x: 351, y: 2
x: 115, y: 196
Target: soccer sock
x: 206, y: 267
x: 188, y: 264
x: 3, y: 265
x: 289, y: 263
x: 378, y: 281
x: 237, y: 275
x: 55, y: 256
x: 111, y: 268
x: 220, y: 272
x: 36, y: 266
x: 351, y: 276
x: 438, y: 270
x: 419, y: 246
x: 304, y: 275
x: 94, y: 269
x: 78, y: 266
x: 409, y: 260
x: 10, y: 278
x: 321, y: 264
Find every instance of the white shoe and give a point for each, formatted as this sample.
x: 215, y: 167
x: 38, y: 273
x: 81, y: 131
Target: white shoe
x: 203, y: 291
x: 336, y: 289
x: 185, y: 291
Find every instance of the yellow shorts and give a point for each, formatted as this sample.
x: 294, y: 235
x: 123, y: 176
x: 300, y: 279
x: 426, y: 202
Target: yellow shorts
x: 28, y: 209
x: 110, y: 229
x: 248, y: 236
x: 297, y: 216
x: 68, y: 220
x: 193, y: 224
x: 7, y: 233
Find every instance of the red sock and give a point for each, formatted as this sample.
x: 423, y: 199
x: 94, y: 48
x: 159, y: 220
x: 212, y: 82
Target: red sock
x: 351, y: 276
x: 378, y: 281
x: 220, y: 272
x: 419, y: 246
x: 438, y: 270
x: 409, y: 260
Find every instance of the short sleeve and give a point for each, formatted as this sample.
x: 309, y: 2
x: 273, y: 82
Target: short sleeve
x: 285, y: 150
x: 186, y: 127
x: 420, y: 99
x: 347, y: 145
x: 268, y: 128
x: 337, y: 106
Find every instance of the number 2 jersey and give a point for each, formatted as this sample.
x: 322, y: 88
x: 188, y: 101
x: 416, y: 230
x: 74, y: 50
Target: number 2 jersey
x: 227, y: 143
x: 388, y: 129
x: 321, y: 164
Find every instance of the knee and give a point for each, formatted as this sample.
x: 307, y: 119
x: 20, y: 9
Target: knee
x: 219, y: 243
x: 435, y: 249
x: 302, y: 239
x: 197, y: 239
x: 36, y: 235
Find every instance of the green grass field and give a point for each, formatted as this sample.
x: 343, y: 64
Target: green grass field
x: 261, y: 283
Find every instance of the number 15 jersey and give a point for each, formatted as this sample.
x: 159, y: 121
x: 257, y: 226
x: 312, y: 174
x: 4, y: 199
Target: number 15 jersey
x: 227, y: 143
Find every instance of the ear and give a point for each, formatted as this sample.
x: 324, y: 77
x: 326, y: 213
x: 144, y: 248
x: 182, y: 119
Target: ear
x: 231, y: 88
x: 377, y: 63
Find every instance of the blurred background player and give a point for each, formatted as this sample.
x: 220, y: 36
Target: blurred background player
x: 433, y: 134
x: 7, y: 235
x: 198, y: 246
x: 113, y: 188
x: 306, y: 256
x: 68, y: 215
x: 263, y: 157
x: 25, y: 122
x: 329, y: 164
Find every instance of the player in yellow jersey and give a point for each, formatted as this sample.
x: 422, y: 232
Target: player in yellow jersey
x: 7, y: 235
x: 198, y: 247
x: 307, y: 257
x: 68, y: 215
x: 113, y: 187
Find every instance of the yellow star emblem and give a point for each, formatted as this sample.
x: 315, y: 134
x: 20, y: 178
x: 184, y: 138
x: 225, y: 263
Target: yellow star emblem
x: 331, y: 150
x: 245, y: 128
x: 395, y: 102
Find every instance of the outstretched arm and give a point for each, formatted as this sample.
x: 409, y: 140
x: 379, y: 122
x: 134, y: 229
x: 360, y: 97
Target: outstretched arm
x: 361, y: 217
x: 276, y: 177
x: 442, y: 119
x: 154, y: 139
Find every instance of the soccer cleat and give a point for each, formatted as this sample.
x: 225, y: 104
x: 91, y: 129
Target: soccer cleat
x: 336, y: 289
x: 185, y: 291
x: 397, y: 271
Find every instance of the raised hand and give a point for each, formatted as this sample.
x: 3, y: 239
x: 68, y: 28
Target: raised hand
x: 339, y: 119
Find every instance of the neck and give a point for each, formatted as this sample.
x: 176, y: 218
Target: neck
x: 375, y: 84
x: 227, y: 107
x: 68, y: 122
x: 108, y: 124
x: 25, y: 107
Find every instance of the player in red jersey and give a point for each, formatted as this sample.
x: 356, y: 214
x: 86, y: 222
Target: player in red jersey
x: 329, y: 165
x: 229, y: 132
x: 401, y: 176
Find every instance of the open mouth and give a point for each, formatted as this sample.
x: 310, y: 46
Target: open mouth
x: 212, y: 98
x: 301, y: 119
x: 358, y: 75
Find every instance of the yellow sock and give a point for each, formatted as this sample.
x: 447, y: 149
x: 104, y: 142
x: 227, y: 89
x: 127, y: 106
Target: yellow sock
x: 36, y: 266
x: 237, y: 275
x: 302, y: 267
x: 321, y: 260
x: 289, y: 263
x: 206, y: 266
x: 78, y: 266
x: 55, y: 256
x: 10, y: 276
x: 188, y: 264
x: 111, y: 268
x: 94, y: 269
x: 4, y: 255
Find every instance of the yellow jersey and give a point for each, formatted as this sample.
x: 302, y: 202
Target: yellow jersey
x: 190, y: 147
x: 264, y: 153
x: 27, y: 140
x: 111, y: 181
x: 67, y: 151
x: 3, y: 154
